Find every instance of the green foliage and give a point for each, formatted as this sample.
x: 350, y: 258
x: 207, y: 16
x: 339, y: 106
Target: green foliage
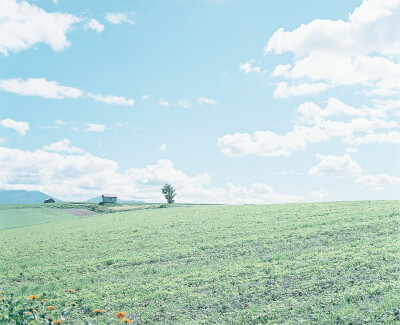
x: 327, y: 263
x: 22, y: 309
x: 169, y: 193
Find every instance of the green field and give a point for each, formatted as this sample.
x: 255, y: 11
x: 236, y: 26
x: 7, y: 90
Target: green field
x: 19, y: 215
x: 325, y: 263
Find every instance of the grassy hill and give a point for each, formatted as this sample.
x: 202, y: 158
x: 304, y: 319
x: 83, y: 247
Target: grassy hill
x: 18, y: 215
x: 326, y: 263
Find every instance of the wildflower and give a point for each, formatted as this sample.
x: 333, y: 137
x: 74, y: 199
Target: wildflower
x: 0, y: 292
x: 58, y: 321
x: 126, y: 320
x: 121, y: 314
x: 71, y: 290
x: 43, y: 300
x: 74, y: 304
x: 50, y: 307
x: 98, y: 311
x: 33, y: 297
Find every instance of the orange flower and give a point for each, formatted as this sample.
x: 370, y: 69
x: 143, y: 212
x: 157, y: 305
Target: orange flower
x: 58, y: 321
x: 33, y: 297
x: 121, y: 314
x: 71, y: 290
x: 0, y: 292
x: 127, y: 320
x: 43, y: 300
x: 50, y: 307
x: 98, y: 311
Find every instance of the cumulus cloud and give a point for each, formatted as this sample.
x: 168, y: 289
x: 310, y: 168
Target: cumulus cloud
x: 118, y: 18
x: 163, y: 147
x: 20, y: 127
x: 95, y: 25
x: 360, y: 50
x: 184, y: 103
x: 249, y: 67
x: 39, y: 87
x: 338, y: 166
x: 81, y: 176
x: 320, y: 194
x: 111, y: 99
x: 52, y: 89
x: 285, y: 91
x: 163, y: 102
x: 377, y: 181
x: 206, y: 101
x: 314, y: 125
x: 91, y: 127
x: 22, y: 25
x: 62, y: 146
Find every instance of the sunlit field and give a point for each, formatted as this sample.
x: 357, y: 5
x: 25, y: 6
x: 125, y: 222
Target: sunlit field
x: 326, y: 263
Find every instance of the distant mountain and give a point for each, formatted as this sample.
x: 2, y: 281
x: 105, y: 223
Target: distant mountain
x: 23, y: 197
x: 100, y: 199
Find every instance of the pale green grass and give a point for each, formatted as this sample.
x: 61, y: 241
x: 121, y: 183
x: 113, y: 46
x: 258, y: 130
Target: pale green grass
x: 328, y: 263
x: 12, y: 216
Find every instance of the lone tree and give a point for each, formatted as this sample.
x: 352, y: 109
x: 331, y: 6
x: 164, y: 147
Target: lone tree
x: 169, y: 193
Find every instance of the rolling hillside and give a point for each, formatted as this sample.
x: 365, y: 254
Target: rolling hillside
x: 16, y: 215
x: 326, y: 263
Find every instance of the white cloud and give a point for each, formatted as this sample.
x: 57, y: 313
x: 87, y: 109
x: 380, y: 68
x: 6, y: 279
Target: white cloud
x: 163, y: 102
x: 313, y: 127
x: 82, y: 176
x: 145, y: 97
x: 2, y: 140
x: 320, y: 194
x: 111, y: 99
x: 249, y: 67
x: 39, y: 87
x: 352, y: 150
x: 285, y: 91
x: 55, y: 2
x: 338, y: 166
x: 95, y: 25
x: 206, y: 101
x: 163, y: 147
x: 377, y: 181
x: 91, y: 127
x: 62, y: 146
x: 184, y: 103
x: 392, y: 137
x: 51, y: 89
x: 118, y: 18
x: 23, y: 25
x: 59, y: 122
x: 360, y: 50
x: 20, y: 127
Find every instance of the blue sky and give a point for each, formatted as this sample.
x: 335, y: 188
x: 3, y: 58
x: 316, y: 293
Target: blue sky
x: 230, y: 101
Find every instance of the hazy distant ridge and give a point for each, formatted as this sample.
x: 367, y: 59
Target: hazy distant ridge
x: 23, y: 197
